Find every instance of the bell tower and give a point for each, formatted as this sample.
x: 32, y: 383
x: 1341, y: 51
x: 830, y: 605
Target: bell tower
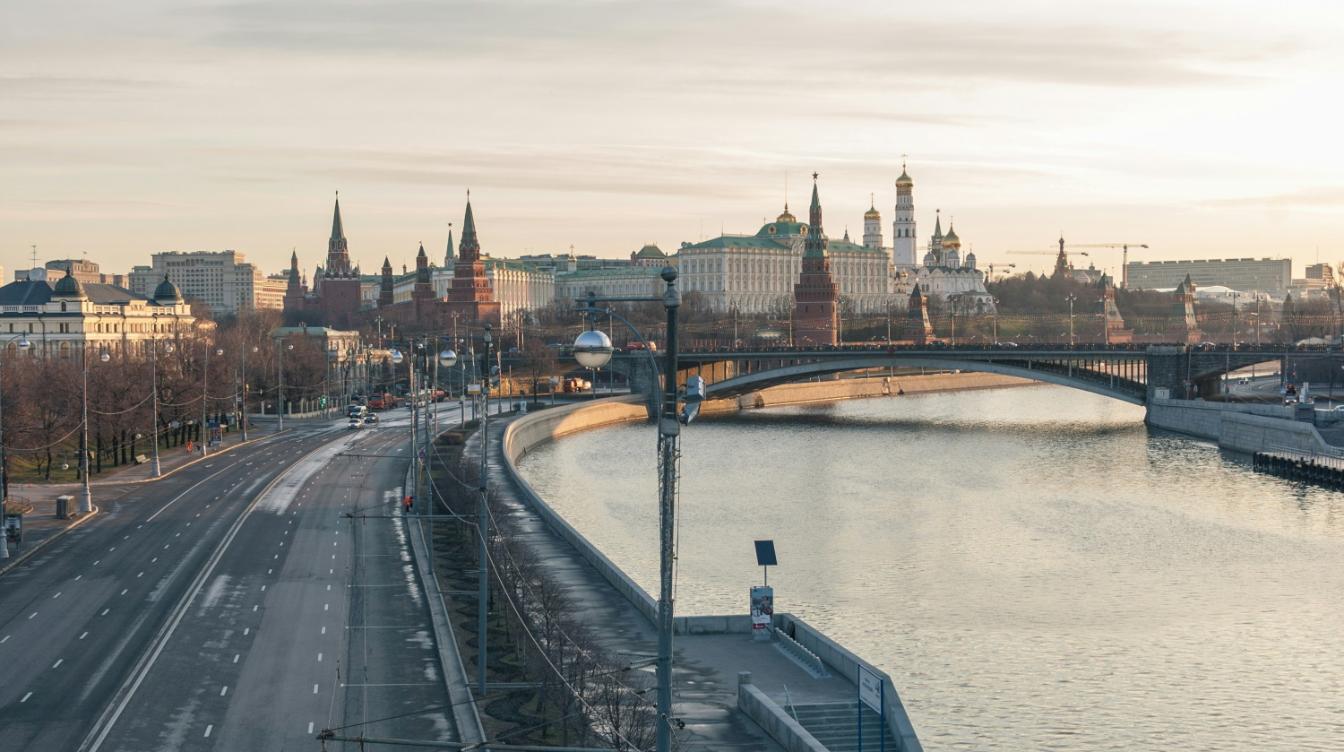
x: 903, y: 226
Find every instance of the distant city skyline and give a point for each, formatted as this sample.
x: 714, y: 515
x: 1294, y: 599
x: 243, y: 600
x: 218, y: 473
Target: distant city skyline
x: 1201, y: 129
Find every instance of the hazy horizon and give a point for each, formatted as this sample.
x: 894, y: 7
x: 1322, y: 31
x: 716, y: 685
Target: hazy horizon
x: 1201, y: 129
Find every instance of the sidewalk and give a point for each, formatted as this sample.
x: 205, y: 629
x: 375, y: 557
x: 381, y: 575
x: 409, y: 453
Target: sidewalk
x: 706, y: 665
x: 40, y: 525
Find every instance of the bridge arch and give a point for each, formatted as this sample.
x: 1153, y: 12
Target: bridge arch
x: 1076, y: 378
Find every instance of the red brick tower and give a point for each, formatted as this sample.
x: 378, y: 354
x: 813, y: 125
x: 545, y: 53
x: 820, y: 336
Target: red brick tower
x: 295, y: 290
x: 917, y: 327
x: 816, y: 309
x: 1184, y: 327
x: 387, y: 286
x: 470, y: 295
x: 340, y: 293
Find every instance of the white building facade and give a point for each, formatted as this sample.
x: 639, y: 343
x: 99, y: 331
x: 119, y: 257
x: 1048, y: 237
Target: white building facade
x: 222, y: 280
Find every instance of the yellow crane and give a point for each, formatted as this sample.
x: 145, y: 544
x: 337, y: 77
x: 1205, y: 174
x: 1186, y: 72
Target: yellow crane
x: 1124, y: 259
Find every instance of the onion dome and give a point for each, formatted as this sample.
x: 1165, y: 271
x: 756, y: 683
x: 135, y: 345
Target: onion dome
x: 951, y: 239
x: 904, y: 180
x: 67, y: 287
x: 167, y: 292
x: 785, y: 216
x: 872, y: 213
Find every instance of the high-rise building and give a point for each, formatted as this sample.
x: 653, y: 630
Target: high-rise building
x: 222, y: 280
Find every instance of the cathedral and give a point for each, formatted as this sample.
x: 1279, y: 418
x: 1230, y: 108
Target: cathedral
x: 944, y: 274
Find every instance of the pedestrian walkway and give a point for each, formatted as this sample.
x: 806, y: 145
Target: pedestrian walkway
x: 706, y: 665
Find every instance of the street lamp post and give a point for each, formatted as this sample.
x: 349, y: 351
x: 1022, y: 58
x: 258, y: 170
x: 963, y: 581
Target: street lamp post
x: 1071, y: 298
x: 482, y: 517
x: 242, y: 418
x: 24, y: 344
x: 205, y: 399
x: 593, y: 349
x: 280, y: 387
x: 154, y: 385
x: 85, y: 494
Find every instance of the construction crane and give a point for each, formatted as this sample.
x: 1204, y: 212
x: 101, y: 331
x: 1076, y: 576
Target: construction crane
x: 1124, y: 261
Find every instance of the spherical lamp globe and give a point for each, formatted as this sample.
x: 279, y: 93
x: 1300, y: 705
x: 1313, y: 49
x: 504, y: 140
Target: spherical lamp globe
x: 592, y: 349
x: 447, y: 358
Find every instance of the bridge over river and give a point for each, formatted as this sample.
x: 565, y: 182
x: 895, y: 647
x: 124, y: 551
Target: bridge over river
x: 1134, y: 374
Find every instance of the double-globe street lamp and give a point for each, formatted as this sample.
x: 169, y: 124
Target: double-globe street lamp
x: 592, y: 349
x: 24, y: 344
x: 168, y: 348
x: 205, y: 398
x: 280, y: 349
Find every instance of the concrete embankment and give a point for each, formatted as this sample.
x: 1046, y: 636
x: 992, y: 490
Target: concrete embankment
x: 814, y: 670
x: 1239, y: 427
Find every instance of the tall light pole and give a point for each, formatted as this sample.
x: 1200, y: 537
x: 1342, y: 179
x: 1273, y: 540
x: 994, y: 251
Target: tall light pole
x: 85, y: 494
x: 24, y: 344
x: 1071, y: 297
x: 593, y: 349
x: 483, y: 519
x: 242, y: 391
x: 280, y: 348
x: 154, y: 386
x: 205, y: 399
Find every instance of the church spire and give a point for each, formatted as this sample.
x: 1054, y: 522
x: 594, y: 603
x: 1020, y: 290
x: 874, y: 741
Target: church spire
x: 448, y: 254
x: 815, y: 244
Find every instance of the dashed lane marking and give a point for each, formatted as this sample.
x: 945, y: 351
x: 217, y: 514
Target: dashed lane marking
x: 58, y: 663
x: 25, y: 697
x: 208, y: 729
x: 86, y: 634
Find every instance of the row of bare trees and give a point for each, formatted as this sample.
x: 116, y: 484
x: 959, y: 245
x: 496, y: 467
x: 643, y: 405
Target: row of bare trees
x: 43, y: 392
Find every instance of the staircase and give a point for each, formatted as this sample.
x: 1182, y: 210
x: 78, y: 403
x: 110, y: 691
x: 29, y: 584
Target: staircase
x: 835, y: 725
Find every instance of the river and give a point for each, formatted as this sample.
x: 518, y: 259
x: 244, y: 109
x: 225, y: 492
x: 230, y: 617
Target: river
x: 1033, y: 567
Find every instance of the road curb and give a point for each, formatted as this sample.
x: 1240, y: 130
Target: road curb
x: 21, y: 558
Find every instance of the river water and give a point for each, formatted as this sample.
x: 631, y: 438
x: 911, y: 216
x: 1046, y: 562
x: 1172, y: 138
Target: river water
x: 1033, y: 567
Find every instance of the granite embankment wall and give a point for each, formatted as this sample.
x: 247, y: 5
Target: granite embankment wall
x: 809, y: 392
x: 1239, y: 427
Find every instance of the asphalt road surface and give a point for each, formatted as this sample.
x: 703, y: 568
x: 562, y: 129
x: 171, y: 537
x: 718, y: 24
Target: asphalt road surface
x: 234, y: 605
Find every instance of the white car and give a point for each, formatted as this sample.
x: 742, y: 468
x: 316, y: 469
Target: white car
x: 355, y: 423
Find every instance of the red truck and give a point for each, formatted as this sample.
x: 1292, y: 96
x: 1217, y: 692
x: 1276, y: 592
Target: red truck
x: 382, y: 401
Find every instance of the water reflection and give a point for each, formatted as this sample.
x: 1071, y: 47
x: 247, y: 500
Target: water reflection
x: 1033, y: 567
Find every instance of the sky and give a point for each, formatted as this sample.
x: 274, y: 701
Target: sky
x: 1203, y: 129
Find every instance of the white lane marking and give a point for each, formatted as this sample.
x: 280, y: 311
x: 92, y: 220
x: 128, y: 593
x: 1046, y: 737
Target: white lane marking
x: 236, y: 656
x: 123, y: 590
x: 137, y: 527
x: 326, y: 606
x: 328, y: 588
x: 247, y: 630
x: 268, y: 571
x: 142, y: 574
x: 276, y: 556
x: 314, y: 689
x: 333, y: 543
x: 25, y: 697
x: 57, y: 595
x: 166, y: 545
x: 95, y: 562
x: 104, y: 613
x: 286, y: 532
x: 126, y: 537
x: 114, y: 548
x: 223, y: 690
x: 79, y: 577
x: 86, y: 634
x: 254, y: 609
x: 333, y: 556
x: 208, y: 729
x: 30, y: 616
x: 58, y: 663
x: 282, y: 544
x: 319, y: 657
x: 331, y: 571
x: 3, y: 641
x: 324, y: 631
x: 263, y: 588
x: 177, y: 535
x: 310, y: 727
x: 153, y: 560
x: 188, y: 524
